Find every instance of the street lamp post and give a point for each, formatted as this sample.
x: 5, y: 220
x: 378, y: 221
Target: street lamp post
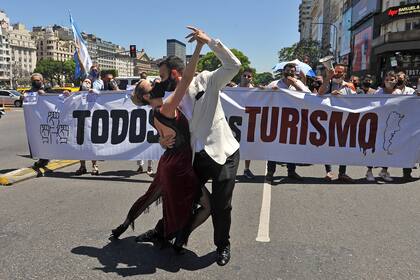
x: 336, y: 36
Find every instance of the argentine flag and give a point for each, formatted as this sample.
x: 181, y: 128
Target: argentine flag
x: 82, y: 54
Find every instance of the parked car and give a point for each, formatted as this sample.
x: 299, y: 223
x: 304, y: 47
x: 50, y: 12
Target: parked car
x: 11, y: 97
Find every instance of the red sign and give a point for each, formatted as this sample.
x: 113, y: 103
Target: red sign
x: 392, y: 13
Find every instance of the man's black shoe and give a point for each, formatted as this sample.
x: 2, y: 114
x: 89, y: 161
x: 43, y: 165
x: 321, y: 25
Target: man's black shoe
x: 269, y: 178
x: 41, y: 163
x: 223, y: 255
x: 295, y: 176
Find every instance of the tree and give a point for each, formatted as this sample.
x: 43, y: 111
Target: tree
x: 50, y: 69
x: 263, y: 78
x: 210, y: 62
x: 305, y: 48
x: 68, y: 69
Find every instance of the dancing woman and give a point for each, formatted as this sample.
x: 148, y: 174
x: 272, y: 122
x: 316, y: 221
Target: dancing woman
x: 175, y: 181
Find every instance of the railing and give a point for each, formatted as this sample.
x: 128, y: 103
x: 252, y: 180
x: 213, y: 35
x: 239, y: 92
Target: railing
x: 404, y: 36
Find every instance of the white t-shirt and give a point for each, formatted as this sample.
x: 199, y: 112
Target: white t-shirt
x: 381, y: 91
x: 408, y: 90
x: 283, y: 85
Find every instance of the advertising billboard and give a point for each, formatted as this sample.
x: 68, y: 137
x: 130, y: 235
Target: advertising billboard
x: 345, y: 47
x: 362, y: 49
x: 362, y: 9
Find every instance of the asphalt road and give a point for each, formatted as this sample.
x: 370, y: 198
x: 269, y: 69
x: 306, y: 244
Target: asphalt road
x: 56, y: 227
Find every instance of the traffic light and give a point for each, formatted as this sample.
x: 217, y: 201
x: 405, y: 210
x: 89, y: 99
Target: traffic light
x: 133, y: 51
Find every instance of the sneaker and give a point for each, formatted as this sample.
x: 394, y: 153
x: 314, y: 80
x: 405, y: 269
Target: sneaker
x: 269, y: 178
x: 385, y: 176
x: 150, y: 172
x: 329, y: 176
x: 369, y: 176
x: 248, y: 174
x: 140, y: 169
x: 345, y: 178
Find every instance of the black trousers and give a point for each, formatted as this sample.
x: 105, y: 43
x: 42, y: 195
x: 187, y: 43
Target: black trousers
x: 223, y: 183
x: 271, y: 167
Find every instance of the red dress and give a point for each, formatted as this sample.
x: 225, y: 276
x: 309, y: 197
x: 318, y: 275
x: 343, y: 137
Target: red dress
x: 175, y: 181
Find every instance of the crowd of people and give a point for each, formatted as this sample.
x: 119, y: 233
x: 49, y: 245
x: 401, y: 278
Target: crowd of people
x: 335, y: 83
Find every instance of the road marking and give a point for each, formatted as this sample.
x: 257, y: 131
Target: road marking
x: 264, y: 226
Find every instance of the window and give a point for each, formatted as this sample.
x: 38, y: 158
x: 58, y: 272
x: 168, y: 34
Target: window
x: 4, y: 93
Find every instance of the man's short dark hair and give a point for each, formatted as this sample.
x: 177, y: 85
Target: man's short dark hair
x: 290, y: 66
x: 173, y: 63
x: 249, y: 70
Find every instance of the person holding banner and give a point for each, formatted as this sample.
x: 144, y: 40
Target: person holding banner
x: 175, y: 180
x: 37, y: 82
x: 336, y: 85
x: 216, y: 149
x: 289, y: 81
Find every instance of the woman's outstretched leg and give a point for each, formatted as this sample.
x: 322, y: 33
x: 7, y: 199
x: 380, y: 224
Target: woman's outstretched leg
x: 152, y: 194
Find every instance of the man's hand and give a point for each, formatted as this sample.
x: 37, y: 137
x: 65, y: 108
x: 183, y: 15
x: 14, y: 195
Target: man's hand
x: 291, y: 81
x: 336, y: 92
x: 198, y: 35
x: 167, y: 142
x: 66, y: 93
x: 41, y: 91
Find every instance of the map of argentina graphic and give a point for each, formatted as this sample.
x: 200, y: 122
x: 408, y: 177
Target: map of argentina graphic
x: 393, y: 127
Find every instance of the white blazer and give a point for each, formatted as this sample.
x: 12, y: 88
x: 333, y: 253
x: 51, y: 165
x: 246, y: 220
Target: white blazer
x: 208, y: 126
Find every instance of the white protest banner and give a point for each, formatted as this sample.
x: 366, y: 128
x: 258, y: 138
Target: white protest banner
x: 281, y: 125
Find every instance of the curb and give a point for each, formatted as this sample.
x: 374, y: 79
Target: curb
x: 22, y: 174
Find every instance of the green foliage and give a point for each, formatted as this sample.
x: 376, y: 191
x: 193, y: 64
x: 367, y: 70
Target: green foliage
x: 263, y: 78
x: 300, y: 50
x: 210, y: 62
x: 54, y: 71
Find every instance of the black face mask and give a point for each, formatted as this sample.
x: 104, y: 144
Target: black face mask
x: 36, y: 85
x: 400, y: 82
x: 159, y: 89
x: 286, y: 74
x: 316, y: 84
x: 367, y: 84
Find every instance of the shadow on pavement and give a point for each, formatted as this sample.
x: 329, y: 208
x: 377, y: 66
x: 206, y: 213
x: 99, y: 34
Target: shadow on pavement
x: 128, y: 258
x: 4, y: 171
x: 120, y: 176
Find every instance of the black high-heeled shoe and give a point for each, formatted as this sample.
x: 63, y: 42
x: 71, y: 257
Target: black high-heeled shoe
x: 116, y: 233
x: 181, y: 239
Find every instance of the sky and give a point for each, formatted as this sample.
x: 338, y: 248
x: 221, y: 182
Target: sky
x: 258, y: 28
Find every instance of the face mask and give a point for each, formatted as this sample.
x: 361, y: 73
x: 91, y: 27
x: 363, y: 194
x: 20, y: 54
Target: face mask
x: 400, y: 82
x: 94, y: 74
x: 85, y: 87
x: 367, y: 84
x: 356, y: 84
x: 159, y: 89
x: 37, y: 85
x: 390, y: 84
x: 112, y: 85
x: 337, y: 80
x: 287, y: 74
